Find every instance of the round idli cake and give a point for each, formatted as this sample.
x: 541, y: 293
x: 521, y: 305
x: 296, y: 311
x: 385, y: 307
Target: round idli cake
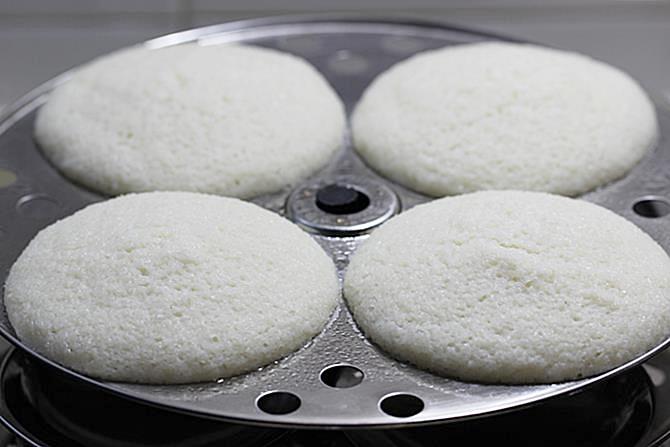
x: 500, y: 115
x: 511, y: 287
x: 170, y: 287
x: 231, y: 120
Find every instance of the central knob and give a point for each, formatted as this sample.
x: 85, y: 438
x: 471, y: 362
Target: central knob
x: 341, y: 199
x: 343, y: 205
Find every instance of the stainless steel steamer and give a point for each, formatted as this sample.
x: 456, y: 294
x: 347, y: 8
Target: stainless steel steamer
x: 339, y: 380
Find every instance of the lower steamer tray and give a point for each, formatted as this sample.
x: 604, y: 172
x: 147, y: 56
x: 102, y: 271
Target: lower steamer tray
x: 339, y: 379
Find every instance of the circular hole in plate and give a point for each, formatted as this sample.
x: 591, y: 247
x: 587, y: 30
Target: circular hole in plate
x: 401, y: 405
x: 341, y: 199
x: 7, y: 177
x: 341, y: 376
x: 37, y: 206
x: 652, y: 207
x: 278, y: 402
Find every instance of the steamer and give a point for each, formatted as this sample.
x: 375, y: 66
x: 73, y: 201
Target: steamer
x: 339, y: 380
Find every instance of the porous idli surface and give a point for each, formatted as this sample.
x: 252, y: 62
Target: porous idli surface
x: 232, y: 120
x: 503, y: 116
x: 511, y: 287
x: 170, y: 288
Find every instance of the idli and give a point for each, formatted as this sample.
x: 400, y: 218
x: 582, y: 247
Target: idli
x: 170, y: 287
x: 511, y: 287
x: 503, y: 116
x: 231, y: 120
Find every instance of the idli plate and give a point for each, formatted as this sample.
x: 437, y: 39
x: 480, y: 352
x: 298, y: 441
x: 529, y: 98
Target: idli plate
x: 339, y: 379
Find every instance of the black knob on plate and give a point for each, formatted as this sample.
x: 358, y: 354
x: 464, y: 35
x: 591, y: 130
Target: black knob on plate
x: 341, y: 199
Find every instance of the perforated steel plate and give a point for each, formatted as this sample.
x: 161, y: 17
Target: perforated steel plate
x: 350, y: 53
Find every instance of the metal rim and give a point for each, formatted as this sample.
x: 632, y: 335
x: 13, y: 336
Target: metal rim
x: 6, y: 417
x: 654, y: 433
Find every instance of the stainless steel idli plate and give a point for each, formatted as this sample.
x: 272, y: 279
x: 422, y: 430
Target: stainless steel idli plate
x: 350, y: 53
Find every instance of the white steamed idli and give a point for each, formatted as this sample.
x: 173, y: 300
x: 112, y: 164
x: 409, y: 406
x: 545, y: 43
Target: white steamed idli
x: 511, y: 287
x: 224, y: 119
x: 170, y: 288
x: 503, y: 116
